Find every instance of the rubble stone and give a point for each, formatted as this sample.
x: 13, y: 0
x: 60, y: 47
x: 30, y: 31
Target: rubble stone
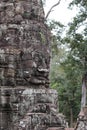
x: 82, y: 120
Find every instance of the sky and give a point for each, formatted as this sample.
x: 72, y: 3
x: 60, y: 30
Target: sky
x: 60, y: 13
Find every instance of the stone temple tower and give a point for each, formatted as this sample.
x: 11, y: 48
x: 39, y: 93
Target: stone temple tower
x: 26, y: 101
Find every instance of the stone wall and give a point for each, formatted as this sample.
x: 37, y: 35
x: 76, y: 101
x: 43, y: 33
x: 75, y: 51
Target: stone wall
x: 30, y: 109
x: 26, y: 101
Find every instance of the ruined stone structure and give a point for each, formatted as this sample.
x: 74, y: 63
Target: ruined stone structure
x: 82, y: 120
x: 26, y: 101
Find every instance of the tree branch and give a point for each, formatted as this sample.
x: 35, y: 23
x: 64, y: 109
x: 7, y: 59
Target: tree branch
x: 50, y: 10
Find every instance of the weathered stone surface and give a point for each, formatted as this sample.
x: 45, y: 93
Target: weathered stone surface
x: 26, y: 10
x: 32, y: 108
x: 82, y: 120
x: 56, y: 128
x: 26, y: 101
x: 24, y: 44
x: 69, y: 128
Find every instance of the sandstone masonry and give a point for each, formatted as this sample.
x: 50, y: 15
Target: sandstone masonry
x: 26, y: 101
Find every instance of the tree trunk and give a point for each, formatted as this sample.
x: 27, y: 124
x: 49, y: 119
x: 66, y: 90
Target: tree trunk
x: 83, y: 100
x: 71, y: 117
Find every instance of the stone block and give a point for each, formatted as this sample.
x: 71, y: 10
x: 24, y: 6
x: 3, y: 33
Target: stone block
x: 25, y: 105
x: 56, y: 128
x: 69, y: 129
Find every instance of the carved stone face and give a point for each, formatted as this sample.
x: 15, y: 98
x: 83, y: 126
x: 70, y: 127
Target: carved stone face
x: 24, y: 66
x: 24, y: 42
x: 33, y: 68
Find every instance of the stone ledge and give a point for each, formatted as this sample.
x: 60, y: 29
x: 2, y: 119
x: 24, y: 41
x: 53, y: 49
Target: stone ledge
x: 69, y: 128
x: 38, y: 90
x: 56, y: 128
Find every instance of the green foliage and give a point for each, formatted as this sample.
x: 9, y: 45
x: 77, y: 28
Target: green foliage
x: 77, y: 58
x: 69, y: 60
x: 57, y: 28
x: 79, y: 3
